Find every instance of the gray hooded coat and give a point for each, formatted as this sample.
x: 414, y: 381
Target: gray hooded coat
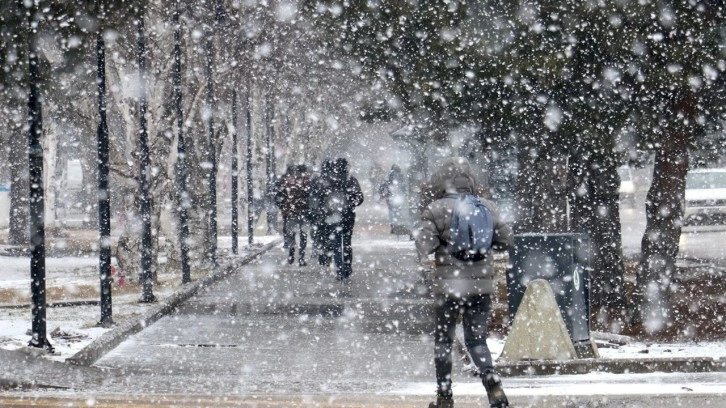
x: 452, y: 277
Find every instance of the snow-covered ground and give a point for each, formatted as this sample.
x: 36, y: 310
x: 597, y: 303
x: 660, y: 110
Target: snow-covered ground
x: 592, y: 384
x: 73, y: 327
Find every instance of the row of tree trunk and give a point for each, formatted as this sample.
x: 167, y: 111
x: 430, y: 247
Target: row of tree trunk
x: 137, y: 240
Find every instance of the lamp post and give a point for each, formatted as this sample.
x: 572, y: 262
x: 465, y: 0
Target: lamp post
x: 212, y: 140
x: 37, y: 207
x: 248, y: 159
x: 270, y: 167
x: 181, y: 166
x: 104, y: 195
x: 147, y: 294
x: 235, y: 214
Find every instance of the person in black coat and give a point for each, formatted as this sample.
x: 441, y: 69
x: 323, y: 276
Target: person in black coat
x: 319, y: 188
x: 292, y: 198
x: 343, y: 195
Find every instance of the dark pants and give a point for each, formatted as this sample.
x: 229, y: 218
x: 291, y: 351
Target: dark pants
x: 291, y: 226
x: 475, y: 311
x: 340, y: 245
x: 321, y: 236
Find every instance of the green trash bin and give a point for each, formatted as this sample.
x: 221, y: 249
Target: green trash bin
x: 564, y: 261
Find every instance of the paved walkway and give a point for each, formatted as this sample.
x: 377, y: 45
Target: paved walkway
x: 274, y: 327
x: 294, y: 336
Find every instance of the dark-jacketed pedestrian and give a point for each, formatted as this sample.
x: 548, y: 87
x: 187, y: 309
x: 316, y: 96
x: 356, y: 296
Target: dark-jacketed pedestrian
x: 341, y: 198
x: 320, y: 233
x: 461, y: 287
x: 292, y: 199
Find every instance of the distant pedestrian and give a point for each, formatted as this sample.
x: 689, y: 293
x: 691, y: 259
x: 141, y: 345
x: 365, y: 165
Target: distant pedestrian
x: 272, y: 187
x: 278, y: 186
x: 341, y: 198
x: 320, y: 232
x: 460, y: 286
x: 292, y: 199
x: 393, y: 190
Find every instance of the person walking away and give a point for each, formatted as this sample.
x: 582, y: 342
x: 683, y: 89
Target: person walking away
x: 292, y: 199
x: 463, y: 280
x: 393, y: 190
x: 279, y: 197
x: 340, y: 201
x: 319, y: 188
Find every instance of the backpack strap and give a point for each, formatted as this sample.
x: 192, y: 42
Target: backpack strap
x: 460, y: 196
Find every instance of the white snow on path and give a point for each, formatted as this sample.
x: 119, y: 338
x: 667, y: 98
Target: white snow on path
x: 15, y: 271
x: 77, y: 324
x: 580, y: 385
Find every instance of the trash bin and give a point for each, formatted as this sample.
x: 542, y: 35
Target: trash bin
x: 564, y: 261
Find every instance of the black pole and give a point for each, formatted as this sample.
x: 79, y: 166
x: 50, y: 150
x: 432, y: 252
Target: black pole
x: 235, y: 215
x: 147, y: 281
x: 181, y: 169
x: 271, y: 124
x: 211, y: 155
x: 248, y: 159
x: 268, y: 168
x: 37, y: 205
x: 104, y: 195
x: 273, y: 159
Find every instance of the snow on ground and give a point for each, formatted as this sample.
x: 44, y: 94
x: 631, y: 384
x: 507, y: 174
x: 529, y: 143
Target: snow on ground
x: 75, y: 327
x: 595, y: 383
x: 71, y: 328
x: 15, y: 271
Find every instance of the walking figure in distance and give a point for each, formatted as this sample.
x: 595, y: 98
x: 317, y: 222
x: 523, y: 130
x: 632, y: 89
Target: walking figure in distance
x: 462, y: 281
x: 292, y: 198
x: 319, y: 188
x: 393, y: 190
x: 343, y: 195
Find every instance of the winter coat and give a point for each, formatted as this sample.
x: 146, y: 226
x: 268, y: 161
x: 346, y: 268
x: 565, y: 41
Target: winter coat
x: 319, y: 185
x: 292, y: 196
x: 452, y: 277
x: 341, y: 198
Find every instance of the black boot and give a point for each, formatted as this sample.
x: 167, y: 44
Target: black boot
x: 443, y: 401
x: 301, y: 252
x: 291, y: 255
x: 493, y: 384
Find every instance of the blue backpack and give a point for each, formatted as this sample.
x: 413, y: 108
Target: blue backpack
x: 472, y: 229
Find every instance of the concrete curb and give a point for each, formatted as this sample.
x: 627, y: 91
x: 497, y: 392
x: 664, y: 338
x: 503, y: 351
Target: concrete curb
x: 64, y: 303
x: 617, y: 366
x: 109, y: 340
x: 26, y: 369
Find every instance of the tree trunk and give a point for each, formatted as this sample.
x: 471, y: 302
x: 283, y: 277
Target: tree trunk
x: 89, y: 195
x: 595, y: 209
x: 540, y: 200
x: 181, y: 173
x: 50, y: 161
x: 659, y: 246
x: 211, y: 238
x: 19, y: 232
x: 128, y: 252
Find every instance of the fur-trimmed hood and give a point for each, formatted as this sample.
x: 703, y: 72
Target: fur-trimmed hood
x: 454, y: 176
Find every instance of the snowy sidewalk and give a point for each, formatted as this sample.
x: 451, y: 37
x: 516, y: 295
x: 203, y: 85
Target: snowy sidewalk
x: 72, y: 286
x: 234, y: 337
x: 384, y: 277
